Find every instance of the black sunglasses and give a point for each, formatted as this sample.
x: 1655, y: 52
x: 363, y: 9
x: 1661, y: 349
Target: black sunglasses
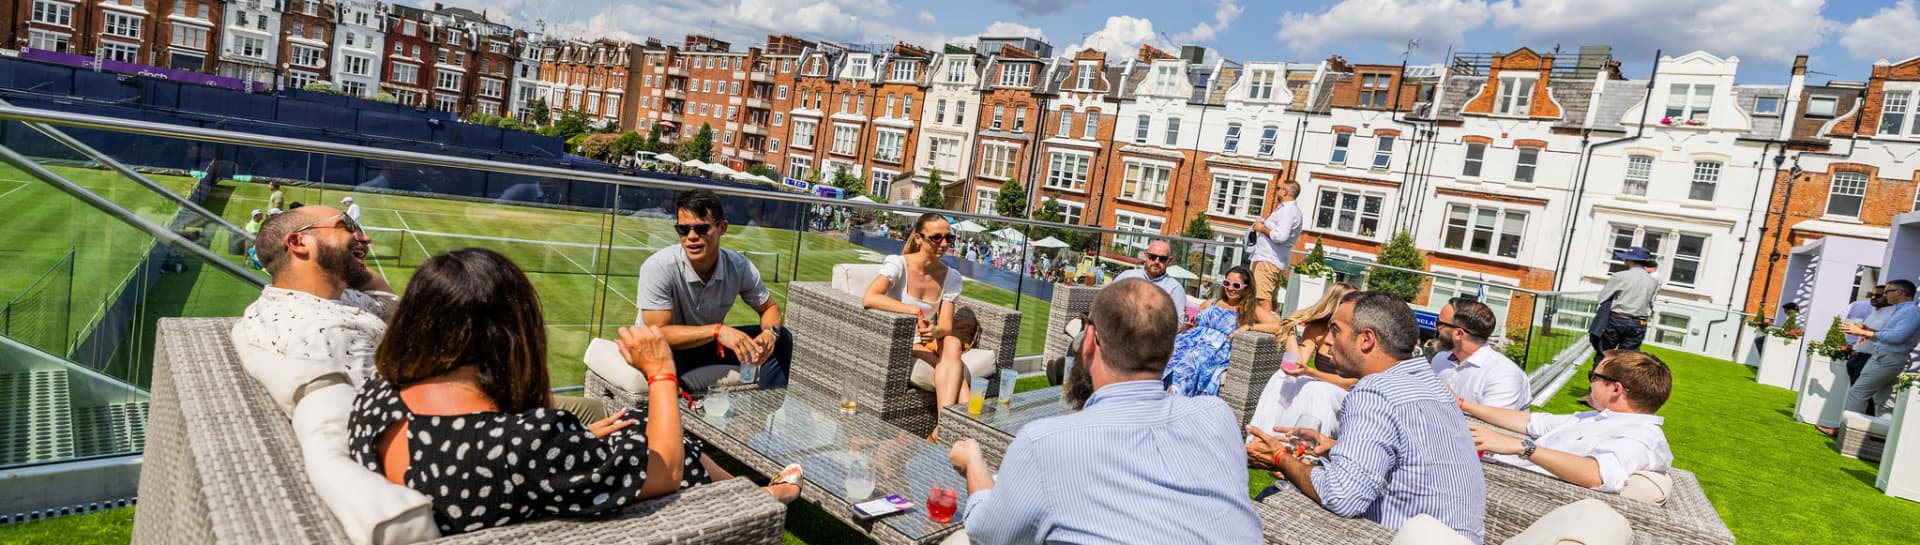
x: 346, y: 224
x: 1159, y: 258
x: 941, y: 237
x: 699, y: 228
x: 1596, y: 375
x: 1438, y: 324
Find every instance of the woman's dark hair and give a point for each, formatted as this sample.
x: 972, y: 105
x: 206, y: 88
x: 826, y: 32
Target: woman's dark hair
x: 1245, y: 310
x: 913, y: 244
x: 471, y: 307
x: 703, y: 203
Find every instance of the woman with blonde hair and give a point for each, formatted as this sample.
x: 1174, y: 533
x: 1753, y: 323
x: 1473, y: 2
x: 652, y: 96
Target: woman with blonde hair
x: 1298, y: 389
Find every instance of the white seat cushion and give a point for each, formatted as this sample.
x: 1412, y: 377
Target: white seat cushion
x: 1872, y: 424
x: 1585, y: 522
x: 1648, y: 487
x: 979, y: 363
x: 854, y: 277
x: 1426, y: 530
x: 603, y: 357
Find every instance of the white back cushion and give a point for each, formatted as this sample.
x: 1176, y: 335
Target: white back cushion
x: 854, y: 277
x: 603, y: 357
x: 1585, y: 522
x: 1426, y: 530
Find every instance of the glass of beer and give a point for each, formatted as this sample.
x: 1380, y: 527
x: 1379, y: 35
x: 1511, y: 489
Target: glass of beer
x: 848, y: 404
x: 1008, y: 378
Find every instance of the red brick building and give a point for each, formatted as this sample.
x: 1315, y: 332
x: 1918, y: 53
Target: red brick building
x: 1014, y: 99
x: 306, y: 41
x: 589, y: 76
x: 188, y: 36
x: 408, y: 72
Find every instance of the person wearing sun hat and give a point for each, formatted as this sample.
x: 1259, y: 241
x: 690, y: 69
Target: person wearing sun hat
x: 353, y: 210
x: 1626, y: 303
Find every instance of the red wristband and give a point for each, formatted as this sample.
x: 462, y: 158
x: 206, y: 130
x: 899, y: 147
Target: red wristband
x: 1276, y: 458
x: 718, y: 349
x: 663, y: 376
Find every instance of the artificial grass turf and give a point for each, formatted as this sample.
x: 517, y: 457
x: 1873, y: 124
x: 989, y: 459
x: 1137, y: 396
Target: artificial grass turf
x: 112, y: 526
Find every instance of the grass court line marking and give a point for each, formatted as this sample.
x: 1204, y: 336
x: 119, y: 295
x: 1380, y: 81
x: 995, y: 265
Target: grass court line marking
x: 416, y: 240
x: 597, y: 278
x: 23, y: 185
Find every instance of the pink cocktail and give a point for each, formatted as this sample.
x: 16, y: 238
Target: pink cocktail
x: 941, y: 503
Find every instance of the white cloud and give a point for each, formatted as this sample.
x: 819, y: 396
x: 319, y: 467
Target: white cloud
x: 1042, y: 7
x: 926, y: 18
x: 1437, y: 23
x: 1884, y: 34
x: 742, y: 21
x: 1122, y: 37
x: 1754, y: 29
x: 1223, y: 15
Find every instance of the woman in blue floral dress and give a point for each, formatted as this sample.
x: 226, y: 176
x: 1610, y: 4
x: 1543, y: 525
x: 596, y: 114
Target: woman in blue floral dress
x: 1200, y: 353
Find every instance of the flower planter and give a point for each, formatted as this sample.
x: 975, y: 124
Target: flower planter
x: 1900, y: 460
x: 1752, y: 340
x: 1778, y: 361
x: 1311, y: 288
x: 1823, y: 393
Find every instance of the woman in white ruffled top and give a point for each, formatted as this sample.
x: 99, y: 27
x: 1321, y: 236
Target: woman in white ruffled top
x: 917, y: 282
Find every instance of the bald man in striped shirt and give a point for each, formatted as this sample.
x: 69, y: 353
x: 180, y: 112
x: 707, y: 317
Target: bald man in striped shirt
x: 1403, y: 448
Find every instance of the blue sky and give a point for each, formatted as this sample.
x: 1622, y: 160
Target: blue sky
x: 1844, y: 38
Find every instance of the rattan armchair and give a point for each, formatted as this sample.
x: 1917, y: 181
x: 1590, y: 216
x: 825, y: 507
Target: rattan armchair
x: 839, y: 345
x: 222, y: 466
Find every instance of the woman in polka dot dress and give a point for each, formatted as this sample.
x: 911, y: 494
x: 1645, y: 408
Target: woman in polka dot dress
x: 461, y: 409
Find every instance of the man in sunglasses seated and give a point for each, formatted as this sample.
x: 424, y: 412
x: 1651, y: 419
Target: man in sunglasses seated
x: 1596, y: 449
x: 686, y: 291
x: 1154, y: 271
x: 324, y: 307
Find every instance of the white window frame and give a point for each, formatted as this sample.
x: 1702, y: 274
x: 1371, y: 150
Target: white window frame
x: 1524, y: 170
x: 52, y: 13
x: 888, y: 145
x: 1706, y: 180
x: 803, y: 130
x: 1896, y: 114
x: 1847, y: 185
x: 1342, y: 141
x: 448, y: 80
x: 1473, y: 160
x: 48, y: 40
x: 1822, y: 106
x: 984, y: 199
x: 1238, y: 195
x: 1269, y: 136
x: 799, y: 167
x: 1138, y: 223
x: 403, y: 73
x: 1145, y: 182
x: 121, y: 25
x: 1173, y: 132
x: 1515, y: 96
x: 117, y: 51
x: 881, y: 183
x: 1383, y: 151
x: 1141, y: 128
x: 1084, y: 79
x: 1092, y: 129
x: 846, y: 139
x: 1260, y: 84
x: 358, y: 66
x: 1639, y: 175
x: 1689, y: 102
x: 1344, y: 210
x: 997, y: 160
x: 1016, y: 74
x: 1067, y: 170
x: 905, y: 70
x: 1230, y: 144
x: 1066, y: 124
x: 1471, y: 221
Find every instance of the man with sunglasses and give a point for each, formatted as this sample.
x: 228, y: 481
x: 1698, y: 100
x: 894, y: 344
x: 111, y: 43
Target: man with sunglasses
x: 1476, y: 372
x: 686, y: 291
x: 325, y: 309
x: 1892, y: 345
x: 1154, y: 270
x: 1596, y: 449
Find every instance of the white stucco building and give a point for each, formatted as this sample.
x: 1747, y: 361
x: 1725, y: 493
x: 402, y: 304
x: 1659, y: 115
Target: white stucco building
x: 360, y: 45
x: 250, y: 41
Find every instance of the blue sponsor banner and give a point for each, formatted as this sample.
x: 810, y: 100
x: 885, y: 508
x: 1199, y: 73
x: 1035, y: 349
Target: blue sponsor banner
x: 1427, y: 320
x: 802, y: 185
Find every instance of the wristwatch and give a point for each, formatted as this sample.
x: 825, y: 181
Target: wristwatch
x: 1526, y: 446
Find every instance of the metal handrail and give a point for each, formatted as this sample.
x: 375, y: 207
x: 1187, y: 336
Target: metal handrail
x: 16, y: 113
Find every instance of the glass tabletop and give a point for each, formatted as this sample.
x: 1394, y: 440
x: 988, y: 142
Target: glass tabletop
x: 853, y: 457
x: 1025, y: 407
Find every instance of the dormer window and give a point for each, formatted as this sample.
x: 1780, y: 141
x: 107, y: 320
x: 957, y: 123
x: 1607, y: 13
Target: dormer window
x: 1689, y: 102
x: 957, y: 70
x: 1766, y: 106
x: 1895, y: 108
x: 1516, y: 96
x: 1018, y: 74
x: 905, y: 70
x: 1260, y: 84
x: 1084, y: 81
x: 817, y: 68
x: 1166, y: 79
x: 857, y: 67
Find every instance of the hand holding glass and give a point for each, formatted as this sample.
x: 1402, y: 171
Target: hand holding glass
x: 1303, y: 443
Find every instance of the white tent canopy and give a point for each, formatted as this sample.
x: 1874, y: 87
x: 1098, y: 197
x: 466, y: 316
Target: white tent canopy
x: 694, y: 163
x: 968, y: 226
x: 1010, y: 234
x: 666, y: 158
x: 1049, y: 242
x: 1180, y: 272
x: 860, y: 198
x: 719, y: 170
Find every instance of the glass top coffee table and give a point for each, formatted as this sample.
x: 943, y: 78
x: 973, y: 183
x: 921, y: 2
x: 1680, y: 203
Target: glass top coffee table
x: 768, y: 429
x: 997, y: 423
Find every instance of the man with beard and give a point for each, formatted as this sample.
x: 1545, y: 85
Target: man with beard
x: 1404, y: 450
x: 1154, y: 270
x: 1474, y: 371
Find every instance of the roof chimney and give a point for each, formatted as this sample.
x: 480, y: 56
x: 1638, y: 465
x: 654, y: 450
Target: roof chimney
x: 1193, y: 54
x: 1800, y: 65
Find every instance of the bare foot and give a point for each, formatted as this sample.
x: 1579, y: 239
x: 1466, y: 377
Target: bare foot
x: 1826, y: 430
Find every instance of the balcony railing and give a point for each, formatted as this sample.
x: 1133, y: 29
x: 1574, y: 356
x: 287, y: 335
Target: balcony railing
x: 760, y: 77
x: 733, y: 101
x: 677, y: 71
x: 757, y: 103
x: 675, y: 94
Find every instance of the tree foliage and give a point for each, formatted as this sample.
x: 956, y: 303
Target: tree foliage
x: 652, y: 142
x: 764, y: 171
x: 541, y: 116
x: 1012, y: 202
x: 598, y: 147
x: 324, y: 87
x: 385, y: 97
x: 627, y: 143
x: 572, y: 122
x: 700, y: 146
x: 848, y: 182
x: 1197, y: 227
x: 931, y: 194
x: 1399, y: 252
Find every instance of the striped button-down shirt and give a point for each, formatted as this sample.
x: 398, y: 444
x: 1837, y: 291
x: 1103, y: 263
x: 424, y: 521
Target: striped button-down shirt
x: 1404, y: 450
x: 1135, y: 466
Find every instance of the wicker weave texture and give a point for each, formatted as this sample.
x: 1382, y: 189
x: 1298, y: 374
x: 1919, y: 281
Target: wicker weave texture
x: 1069, y: 302
x: 1256, y: 357
x: 222, y: 466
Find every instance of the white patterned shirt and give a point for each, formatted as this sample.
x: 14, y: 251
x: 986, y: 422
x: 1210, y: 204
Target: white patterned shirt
x: 1621, y: 442
x: 295, y: 325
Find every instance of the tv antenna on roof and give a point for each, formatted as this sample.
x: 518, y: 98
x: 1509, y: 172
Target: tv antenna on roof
x: 1406, y: 55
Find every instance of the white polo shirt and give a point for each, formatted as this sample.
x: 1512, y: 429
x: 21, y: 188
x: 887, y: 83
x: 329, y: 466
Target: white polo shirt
x: 1622, y: 443
x: 1487, y: 377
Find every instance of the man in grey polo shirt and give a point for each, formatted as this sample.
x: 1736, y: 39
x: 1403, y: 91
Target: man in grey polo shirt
x: 686, y: 291
x: 1625, y: 304
x: 1154, y: 271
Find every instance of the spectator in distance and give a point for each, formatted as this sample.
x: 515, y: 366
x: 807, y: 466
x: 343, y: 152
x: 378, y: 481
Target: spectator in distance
x: 1596, y: 449
x: 1625, y: 303
x: 1474, y: 371
x: 687, y: 290
x: 1403, y: 448
x: 461, y: 408
x: 1136, y: 465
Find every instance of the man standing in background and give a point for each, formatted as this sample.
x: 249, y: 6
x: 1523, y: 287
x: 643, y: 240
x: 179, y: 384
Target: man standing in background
x: 1273, y: 244
x: 1625, y: 304
x: 1892, y: 347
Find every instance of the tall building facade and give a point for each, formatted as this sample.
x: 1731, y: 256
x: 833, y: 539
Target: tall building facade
x: 306, y: 41
x: 359, y: 49
x: 250, y: 41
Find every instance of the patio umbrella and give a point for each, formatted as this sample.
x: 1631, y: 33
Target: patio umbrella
x: 1181, y: 273
x: 719, y: 170
x: 1010, y: 234
x: 1049, y: 242
x: 860, y: 198
x: 969, y: 226
x: 667, y: 158
x: 695, y: 164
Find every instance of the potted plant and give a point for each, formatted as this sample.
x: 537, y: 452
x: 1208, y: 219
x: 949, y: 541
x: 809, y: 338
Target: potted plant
x: 1779, y: 358
x: 1310, y: 276
x: 1823, y: 392
x: 1900, y: 459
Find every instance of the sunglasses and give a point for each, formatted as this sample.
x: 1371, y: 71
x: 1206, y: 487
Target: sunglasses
x: 1233, y: 285
x: 1439, y: 324
x: 1159, y: 258
x: 941, y: 237
x: 1591, y: 375
x: 346, y: 223
x: 697, y: 228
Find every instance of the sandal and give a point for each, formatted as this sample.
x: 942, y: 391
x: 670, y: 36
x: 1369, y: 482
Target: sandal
x: 788, y: 475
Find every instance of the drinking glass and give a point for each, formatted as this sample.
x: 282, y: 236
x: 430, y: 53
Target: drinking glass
x: 1301, y: 443
x: 941, y: 503
x: 1008, y: 378
x: 749, y: 372
x: 716, y: 404
x: 859, y: 479
x: 977, y: 399
x: 848, y: 404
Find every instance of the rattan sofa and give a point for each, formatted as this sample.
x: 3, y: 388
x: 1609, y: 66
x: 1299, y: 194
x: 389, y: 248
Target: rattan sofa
x: 839, y: 345
x: 222, y: 466
x: 1687, y: 517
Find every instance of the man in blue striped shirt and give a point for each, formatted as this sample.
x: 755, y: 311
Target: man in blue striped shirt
x: 1134, y: 466
x: 1404, y: 450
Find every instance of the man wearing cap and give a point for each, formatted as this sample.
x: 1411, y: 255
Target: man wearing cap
x: 253, y: 221
x: 1625, y: 303
x: 353, y: 210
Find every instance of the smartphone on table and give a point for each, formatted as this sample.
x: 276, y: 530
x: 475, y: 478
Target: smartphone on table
x: 880, y: 507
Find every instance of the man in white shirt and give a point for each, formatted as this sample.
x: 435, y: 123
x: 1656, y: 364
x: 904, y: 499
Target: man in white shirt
x: 353, y: 210
x: 325, y: 309
x: 1154, y: 271
x: 1273, y: 245
x: 1475, y: 371
x: 1596, y: 449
